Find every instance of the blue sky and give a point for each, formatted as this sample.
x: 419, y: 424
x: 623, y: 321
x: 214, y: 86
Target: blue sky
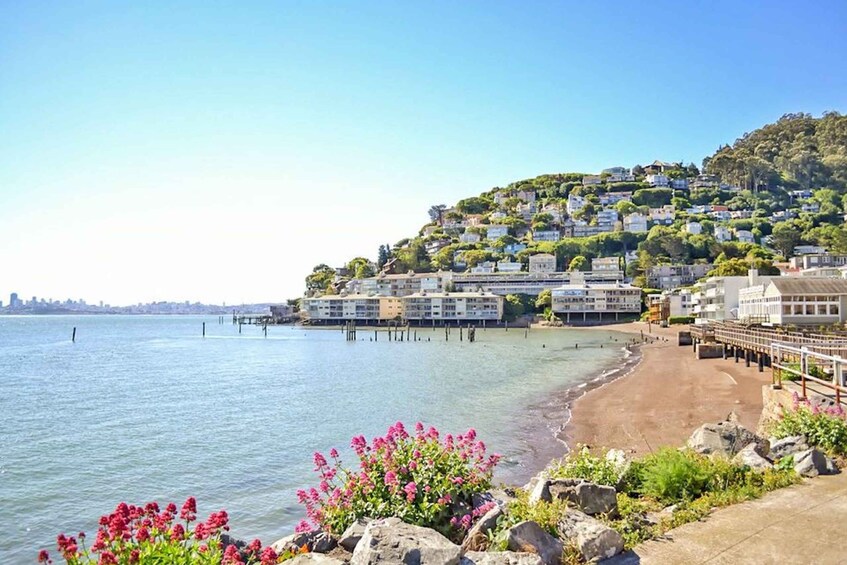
x: 159, y: 152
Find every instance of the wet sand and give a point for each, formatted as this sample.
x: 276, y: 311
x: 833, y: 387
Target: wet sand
x: 664, y: 397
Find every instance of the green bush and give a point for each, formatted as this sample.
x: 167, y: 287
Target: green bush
x: 671, y: 475
x: 680, y: 320
x: 545, y: 514
x: 823, y: 427
x: 581, y: 464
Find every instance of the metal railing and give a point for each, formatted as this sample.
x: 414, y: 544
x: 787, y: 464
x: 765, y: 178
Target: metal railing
x: 808, y: 366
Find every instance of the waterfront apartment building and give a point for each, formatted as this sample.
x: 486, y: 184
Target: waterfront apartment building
x: 795, y: 301
x: 675, y: 276
x: 583, y: 299
x: 345, y: 307
x: 446, y: 307
x: 716, y: 298
x: 504, y: 283
x: 670, y: 304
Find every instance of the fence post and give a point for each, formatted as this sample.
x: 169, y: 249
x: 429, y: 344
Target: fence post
x: 804, y: 361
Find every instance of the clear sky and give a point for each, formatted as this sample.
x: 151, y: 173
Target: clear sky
x: 217, y: 151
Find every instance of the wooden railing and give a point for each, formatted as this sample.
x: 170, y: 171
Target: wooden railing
x: 761, y: 339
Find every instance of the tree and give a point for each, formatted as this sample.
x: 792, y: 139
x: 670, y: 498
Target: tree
x: 321, y: 278
x: 436, y: 213
x: 474, y: 205
x: 383, y: 256
x: 625, y: 207
x: 580, y: 263
x: 360, y: 268
x: 785, y: 238
x: 653, y: 197
x: 514, y: 306
x: 544, y: 300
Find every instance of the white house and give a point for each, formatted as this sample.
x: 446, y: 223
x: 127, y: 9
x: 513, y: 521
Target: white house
x: 575, y: 203
x: 610, y: 198
x: 635, y: 222
x: 694, y: 228
x: 657, y: 180
x: 546, y: 235
x: 509, y: 266
x: 542, y: 263
x: 607, y: 216
x: 795, y: 300
x: 527, y: 196
x: 495, y: 231
x: 717, y: 298
x: 745, y: 236
x: 663, y: 215
x: 722, y: 233
x: 589, y: 180
x: 484, y: 267
x: 498, y: 215
x: 469, y: 237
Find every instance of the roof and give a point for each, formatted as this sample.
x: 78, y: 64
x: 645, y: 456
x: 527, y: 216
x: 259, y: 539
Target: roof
x: 597, y: 286
x: 542, y: 256
x: 452, y: 295
x: 810, y: 285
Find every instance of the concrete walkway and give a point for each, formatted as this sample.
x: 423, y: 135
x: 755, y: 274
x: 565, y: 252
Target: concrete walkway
x: 802, y: 524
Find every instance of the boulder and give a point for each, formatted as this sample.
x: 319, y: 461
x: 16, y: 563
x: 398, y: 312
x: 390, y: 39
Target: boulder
x: 500, y: 558
x: 593, y: 539
x: 749, y: 457
x: 539, y: 489
x: 588, y: 497
x: 393, y: 541
x: 477, y: 538
x: 353, y: 534
x: 811, y: 463
x: 787, y: 446
x: 316, y: 540
x: 501, y: 497
x: 529, y: 537
x: 313, y: 559
x: 725, y: 438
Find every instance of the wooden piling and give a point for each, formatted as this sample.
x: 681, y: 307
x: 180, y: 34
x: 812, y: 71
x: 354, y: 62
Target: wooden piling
x: 73, y: 335
x: 204, y: 329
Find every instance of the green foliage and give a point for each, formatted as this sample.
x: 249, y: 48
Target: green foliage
x: 544, y: 300
x: 581, y: 464
x: 321, y: 278
x: 674, y: 320
x: 475, y: 205
x: 579, y: 263
x: 545, y: 514
x: 671, y: 475
x: 516, y: 305
x: 653, y: 197
x: 785, y: 237
x: 823, y: 428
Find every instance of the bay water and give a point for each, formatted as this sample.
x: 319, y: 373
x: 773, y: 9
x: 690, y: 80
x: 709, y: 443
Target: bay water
x: 144, y: 408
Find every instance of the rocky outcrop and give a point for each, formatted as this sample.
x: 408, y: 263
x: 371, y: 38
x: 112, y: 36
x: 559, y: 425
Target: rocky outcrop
x: 529, y: 537
x: 748, y: 456
x: 393, y: 541
x: 500, y: 558
x: 351, y: 536
x: 316, y: 541
x: 725, y: 438
x: 538, y: 488
x: 811, y: 463
x: 588, y: 497
x: 314, y: 559
x: 593, y: 539
x: 477, y: 537
x: 787, y: 446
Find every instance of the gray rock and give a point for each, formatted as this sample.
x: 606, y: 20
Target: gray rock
x: 529, y: 537
x: 353, y: 534
x: 317, y: 542
x: 588, y: 497
x: 725, y: 438
x: 831, y: 467
x: 498, y: 496
x: 539, y: 488
x: 749, y: 457
x: 500, y: 558
x: 392, y: 541
x: 477, y: 539
x: 594, y: 540
x: 787, y: 446
x: 313, y: 559
x: 811, y: 463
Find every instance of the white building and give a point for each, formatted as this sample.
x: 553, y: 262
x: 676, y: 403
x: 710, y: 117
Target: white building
x: 527, y: 196
x: 496, y: 231
x: 635, y: 222
x: 795, y: 301
x: 575, y: 203
x: 452, y: 306
x: 611, y: 198
x: 607, y: 216
x: 745, y: 236
x: 589, y: 180
x: 663, y: 215
x: 542, y: 263
x: 675, y: 276
x: 359, y: 307
x: 469, y: 237
x: 546, y: 235
x: 584, y: 299
x: 694, y: 228
x: 484, y: 267
x: 509, y: 266
x: 716, y: 298
x: 722, y: 233
x: 606, y: 264
x: 657, y: 180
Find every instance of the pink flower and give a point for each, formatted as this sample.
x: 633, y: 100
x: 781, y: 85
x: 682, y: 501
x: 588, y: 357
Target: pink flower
x: 391, y: 478
x: 189, y: 509
x: 320, y: 461
x: 303, y: 527
x: 333, y: 453
x: 411, y: 490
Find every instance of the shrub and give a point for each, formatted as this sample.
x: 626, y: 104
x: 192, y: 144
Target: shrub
x: 135, y: 534
x: 673, y: 320
x: 670, y: 475
x: 581, y: 464
x: 823, y: 427
x: 419, y: 479
x: 545, y: 514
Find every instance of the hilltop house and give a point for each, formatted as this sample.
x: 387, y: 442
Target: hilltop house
x: 546, y: 235
x: 657, y: 180
x: 745, y: 236
x: 496, y: 231
x: 509, y: 266
x: 722, y: 233
x: 611, y: 198
x: 542, y: 263
x: 575, y: 203
x: 663, y: 215
x: 694, y: 228
x: 657, y: 167
x: 635, y: 222
x: 589, y: 180
x: 607, y: 216
x: 469, y: 237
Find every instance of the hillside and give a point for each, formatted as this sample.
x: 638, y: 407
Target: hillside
x: 775, y: 188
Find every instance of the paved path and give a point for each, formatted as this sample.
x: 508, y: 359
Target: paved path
x: 803, y: 524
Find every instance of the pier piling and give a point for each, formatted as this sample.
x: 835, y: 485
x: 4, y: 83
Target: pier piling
x: 73, y: 335
x: 204, y: 329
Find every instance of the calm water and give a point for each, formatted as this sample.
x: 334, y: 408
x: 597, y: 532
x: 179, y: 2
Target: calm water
x: 143, y: 408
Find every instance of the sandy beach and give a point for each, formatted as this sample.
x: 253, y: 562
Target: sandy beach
x: 665, y: 397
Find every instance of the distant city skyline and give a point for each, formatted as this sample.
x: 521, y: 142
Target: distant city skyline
x: 152, y: 152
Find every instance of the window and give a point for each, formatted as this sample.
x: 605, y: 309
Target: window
x: 833, y: 309
x: 821, y: 309
x: 798, y: 310
x: 810, y: 309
